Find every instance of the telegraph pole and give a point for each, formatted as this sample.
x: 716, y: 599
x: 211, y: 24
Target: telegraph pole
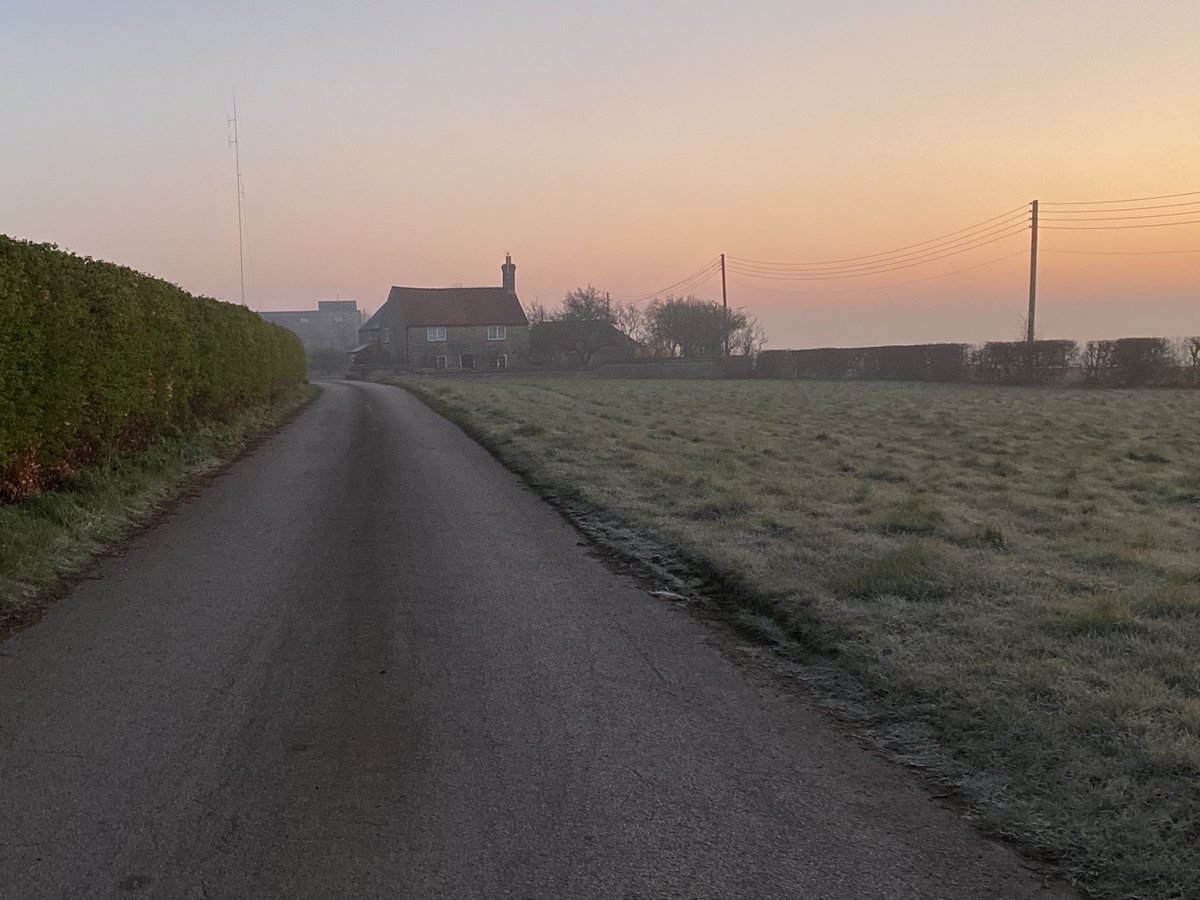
x: 725, y: 304
x: 237, y: 157
x: 1029, y: 321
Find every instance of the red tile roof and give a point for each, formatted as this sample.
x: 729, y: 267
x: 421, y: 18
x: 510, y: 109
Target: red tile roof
x: 422, y: 307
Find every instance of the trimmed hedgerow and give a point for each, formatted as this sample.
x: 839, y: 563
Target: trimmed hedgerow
x: 1126, y: 362
x: 96, y: 356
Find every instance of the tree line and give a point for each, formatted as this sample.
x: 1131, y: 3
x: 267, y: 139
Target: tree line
x: 668, y: 326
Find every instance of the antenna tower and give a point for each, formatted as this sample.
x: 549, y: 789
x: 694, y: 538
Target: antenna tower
x: 237, y: 157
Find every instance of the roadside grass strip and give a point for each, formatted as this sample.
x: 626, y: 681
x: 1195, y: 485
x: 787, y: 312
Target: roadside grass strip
x: 50, y: 536
x: 1001, y: 586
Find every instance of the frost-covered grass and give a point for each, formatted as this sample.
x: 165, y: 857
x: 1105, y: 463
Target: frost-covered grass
x: 1003, y: 585
x: 56, y: 533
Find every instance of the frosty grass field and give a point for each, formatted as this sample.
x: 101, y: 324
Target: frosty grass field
x: 1001, y: 585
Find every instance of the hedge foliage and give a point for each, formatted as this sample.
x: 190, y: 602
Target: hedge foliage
x: 95, y: 355
x: 1126, y: 362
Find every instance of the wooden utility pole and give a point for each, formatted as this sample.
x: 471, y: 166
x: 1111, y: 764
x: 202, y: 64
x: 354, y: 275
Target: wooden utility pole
x: 1029, y: 321
x: 725, y: 304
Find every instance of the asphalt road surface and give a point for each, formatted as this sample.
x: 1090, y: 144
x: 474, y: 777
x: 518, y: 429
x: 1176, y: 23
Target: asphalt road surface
x: 366, y: 662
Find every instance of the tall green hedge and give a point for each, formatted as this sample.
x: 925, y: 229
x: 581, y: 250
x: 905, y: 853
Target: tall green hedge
x: 95, y: 355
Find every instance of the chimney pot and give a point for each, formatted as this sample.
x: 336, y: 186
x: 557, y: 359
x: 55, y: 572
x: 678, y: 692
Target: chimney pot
x: 509, y: 272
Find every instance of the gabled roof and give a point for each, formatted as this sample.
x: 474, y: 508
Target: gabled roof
x: 376, y: 321
x: 563, y: 332
x: 422, y: 307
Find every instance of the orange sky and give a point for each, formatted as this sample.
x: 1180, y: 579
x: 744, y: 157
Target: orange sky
x: 622, y: 144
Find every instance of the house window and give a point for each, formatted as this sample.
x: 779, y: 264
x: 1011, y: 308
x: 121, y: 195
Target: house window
x: 501, y: 360
x: 304, y: 320
x: 467, y: 360
x: 496, y: 333
x: 437, y: 333
x: 440, y: 362
x: 385, y: 334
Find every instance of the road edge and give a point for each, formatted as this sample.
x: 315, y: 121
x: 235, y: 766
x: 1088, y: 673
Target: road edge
x: 161, y: 501
x: 742, y: 632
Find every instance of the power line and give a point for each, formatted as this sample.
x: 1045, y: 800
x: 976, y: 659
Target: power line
x: 963, y: 242
x: 1122, y: 252
x: 1126, y: 200
x: 1119, y: 227
x: 1118, y: 209
x: 877, y: 270
x: 886, y: 287
x: 928, y: 255
x: 694, y: 285
x: 1187, y: 212
x: 692, y: 281
x: 1010, y: 215
x: 998, y: 228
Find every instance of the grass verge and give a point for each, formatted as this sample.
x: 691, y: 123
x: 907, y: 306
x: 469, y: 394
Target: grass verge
x: 52, y: 536
x: 1001, y: 586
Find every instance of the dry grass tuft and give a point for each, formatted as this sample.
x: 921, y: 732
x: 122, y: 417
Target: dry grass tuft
x: 917, y: 571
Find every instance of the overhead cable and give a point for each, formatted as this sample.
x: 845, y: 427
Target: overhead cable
x: 693, y: 280
x: 1118, y: 227
x: 885, y: 287
x: 1055, y: 217
x: 1126, y: 200
x: 993, y: 222
x: 1120, y: 252
x: 992, y: 231
x: 1122, y: 209
x: 961, y: 245
x: 877, y: 270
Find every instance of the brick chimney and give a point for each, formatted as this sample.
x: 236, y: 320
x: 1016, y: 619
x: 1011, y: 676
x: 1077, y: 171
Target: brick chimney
x: 510, y: 274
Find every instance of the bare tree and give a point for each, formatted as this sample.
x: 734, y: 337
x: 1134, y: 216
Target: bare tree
x: 631, y: 319
x: 668, y: 326
x: 749, y: 339
x: 1192, y: 347
x: 537, y: 314
x: 586, y: 304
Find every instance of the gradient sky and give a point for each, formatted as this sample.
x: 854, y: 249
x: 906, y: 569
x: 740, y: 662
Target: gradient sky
x: 618, y: 143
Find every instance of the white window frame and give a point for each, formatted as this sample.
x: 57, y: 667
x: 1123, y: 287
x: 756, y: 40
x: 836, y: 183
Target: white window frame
x: 435, y: 333
x: 497, y: 333
x: 441, y: 363
x: 501, y: 360
x: 385, y: 335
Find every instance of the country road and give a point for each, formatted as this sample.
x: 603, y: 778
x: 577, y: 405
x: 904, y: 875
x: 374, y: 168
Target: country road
x: 365, y: 662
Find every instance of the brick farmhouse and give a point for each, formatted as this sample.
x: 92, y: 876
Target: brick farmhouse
x: 448, y: 329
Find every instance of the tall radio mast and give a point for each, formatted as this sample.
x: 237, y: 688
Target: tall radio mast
x: 237, y: 157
